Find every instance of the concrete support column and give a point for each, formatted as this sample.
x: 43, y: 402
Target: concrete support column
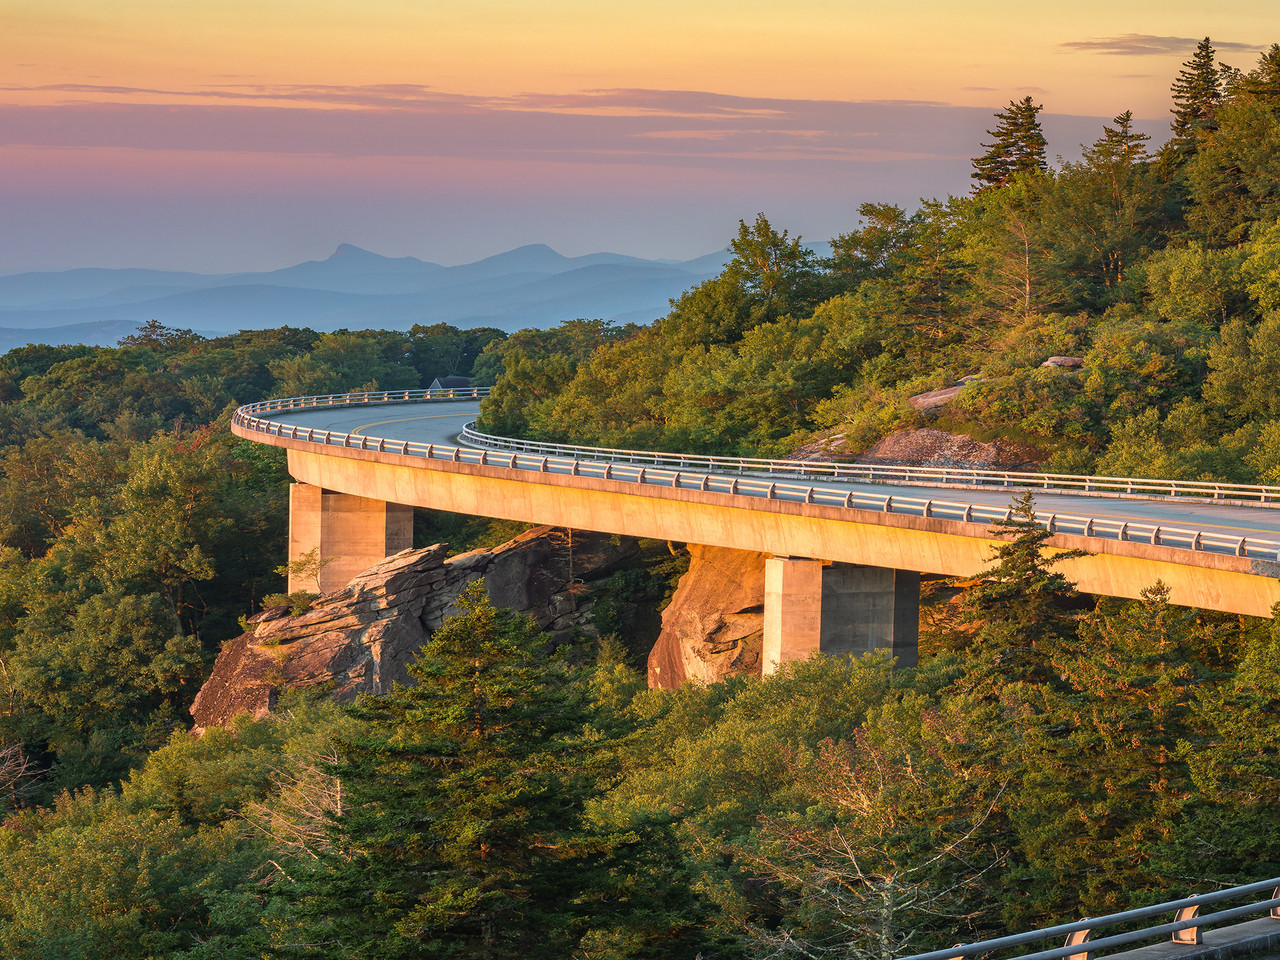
x: 357, y: 531
x: 838, y: 609
x: 792, y: 610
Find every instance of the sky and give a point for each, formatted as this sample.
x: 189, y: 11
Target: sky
x: 221, y: 135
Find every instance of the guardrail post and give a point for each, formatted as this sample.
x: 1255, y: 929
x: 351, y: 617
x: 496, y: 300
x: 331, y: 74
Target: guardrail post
x: 1189, y: 934
x: 1075, y: 939
x: 1275, y: 910
x: 1088, y: 527
x: 675, y: 479
x: 1240, y: 550
x: 968, y: 513
x: 1124, y: 531
x: 888, y: 504
x: 1155, y: 537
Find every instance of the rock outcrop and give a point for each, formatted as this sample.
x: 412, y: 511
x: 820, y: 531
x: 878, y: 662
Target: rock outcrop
x: 936, y: 448
x: 935, y: 398
x: 714, y: 625
x: 362, y: 639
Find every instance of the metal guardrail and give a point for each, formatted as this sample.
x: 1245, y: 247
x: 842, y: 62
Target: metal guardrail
x: 733, y: 475
x: 1185, y: 928
x: 932, y: 476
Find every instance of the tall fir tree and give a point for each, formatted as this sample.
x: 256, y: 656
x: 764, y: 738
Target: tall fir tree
x: 1197, y: 97
x: 1018, y: 146
x: 1020, y: 603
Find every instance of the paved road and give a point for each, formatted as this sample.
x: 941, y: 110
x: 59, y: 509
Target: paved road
x: 441, y: 422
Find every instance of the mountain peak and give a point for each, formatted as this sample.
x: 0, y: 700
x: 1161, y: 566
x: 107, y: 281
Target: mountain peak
x: 349, y: 251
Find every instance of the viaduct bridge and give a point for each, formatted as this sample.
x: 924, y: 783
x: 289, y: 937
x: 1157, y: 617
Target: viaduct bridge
x: 847, y: 543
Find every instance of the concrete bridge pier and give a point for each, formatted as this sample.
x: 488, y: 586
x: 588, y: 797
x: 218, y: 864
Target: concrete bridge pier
x: 357, y: 531
x: 839, y: 609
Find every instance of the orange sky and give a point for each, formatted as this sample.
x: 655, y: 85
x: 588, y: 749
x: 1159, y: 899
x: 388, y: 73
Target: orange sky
x: 137, y: 104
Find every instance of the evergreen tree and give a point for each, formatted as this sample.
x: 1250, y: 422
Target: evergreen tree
x: 465, y: 832
x: 1018, y: 603
x: 1018, y: 146
x: 1103, y: 776
x: 1197, y: 96
x: 1120, y: 144
x: 1101, y: 216
x: 1234, y: 176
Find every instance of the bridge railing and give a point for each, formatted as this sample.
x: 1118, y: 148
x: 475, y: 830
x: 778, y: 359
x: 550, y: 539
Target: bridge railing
x: 1185, y: 927
x: 877, y: 473
x: 870, y: 473
x: 690, y: 473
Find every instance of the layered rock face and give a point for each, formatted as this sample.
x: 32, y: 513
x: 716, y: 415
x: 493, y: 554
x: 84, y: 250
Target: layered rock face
x: 714, y: 626
x: 362, y: 639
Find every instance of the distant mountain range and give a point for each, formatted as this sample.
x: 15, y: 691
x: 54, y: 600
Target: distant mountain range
x: 530, y: 286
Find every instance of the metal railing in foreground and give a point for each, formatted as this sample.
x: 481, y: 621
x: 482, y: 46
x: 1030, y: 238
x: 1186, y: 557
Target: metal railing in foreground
x: 681, y: 472
x: 1185, y: 928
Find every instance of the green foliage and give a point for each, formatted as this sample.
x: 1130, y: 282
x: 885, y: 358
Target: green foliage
x: 465, y: 815
x: 90, y: 879
x: 307, y: 567
x: 1195, y: 283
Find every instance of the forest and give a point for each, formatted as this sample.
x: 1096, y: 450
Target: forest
x: 1053, y: 756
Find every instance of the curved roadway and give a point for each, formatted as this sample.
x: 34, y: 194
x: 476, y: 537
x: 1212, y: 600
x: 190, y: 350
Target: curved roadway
x: 441, y: 422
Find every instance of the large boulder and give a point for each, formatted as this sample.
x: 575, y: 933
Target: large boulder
x: 714, y: 626
x: 363, y: 638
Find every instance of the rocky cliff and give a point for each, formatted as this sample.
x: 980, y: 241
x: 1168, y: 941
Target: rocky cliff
x: 714, y: 626
x: 361, y: 639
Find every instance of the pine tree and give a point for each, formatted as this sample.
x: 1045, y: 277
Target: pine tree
x: 465, y: 833
x: 1263, y: 82
x: 1120, y: 144
x: 1197, y: 96
x: 1019, y: 604
x: 1018, y: 146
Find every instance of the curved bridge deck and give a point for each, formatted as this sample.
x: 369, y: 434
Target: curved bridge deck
x: 1218, y: 554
